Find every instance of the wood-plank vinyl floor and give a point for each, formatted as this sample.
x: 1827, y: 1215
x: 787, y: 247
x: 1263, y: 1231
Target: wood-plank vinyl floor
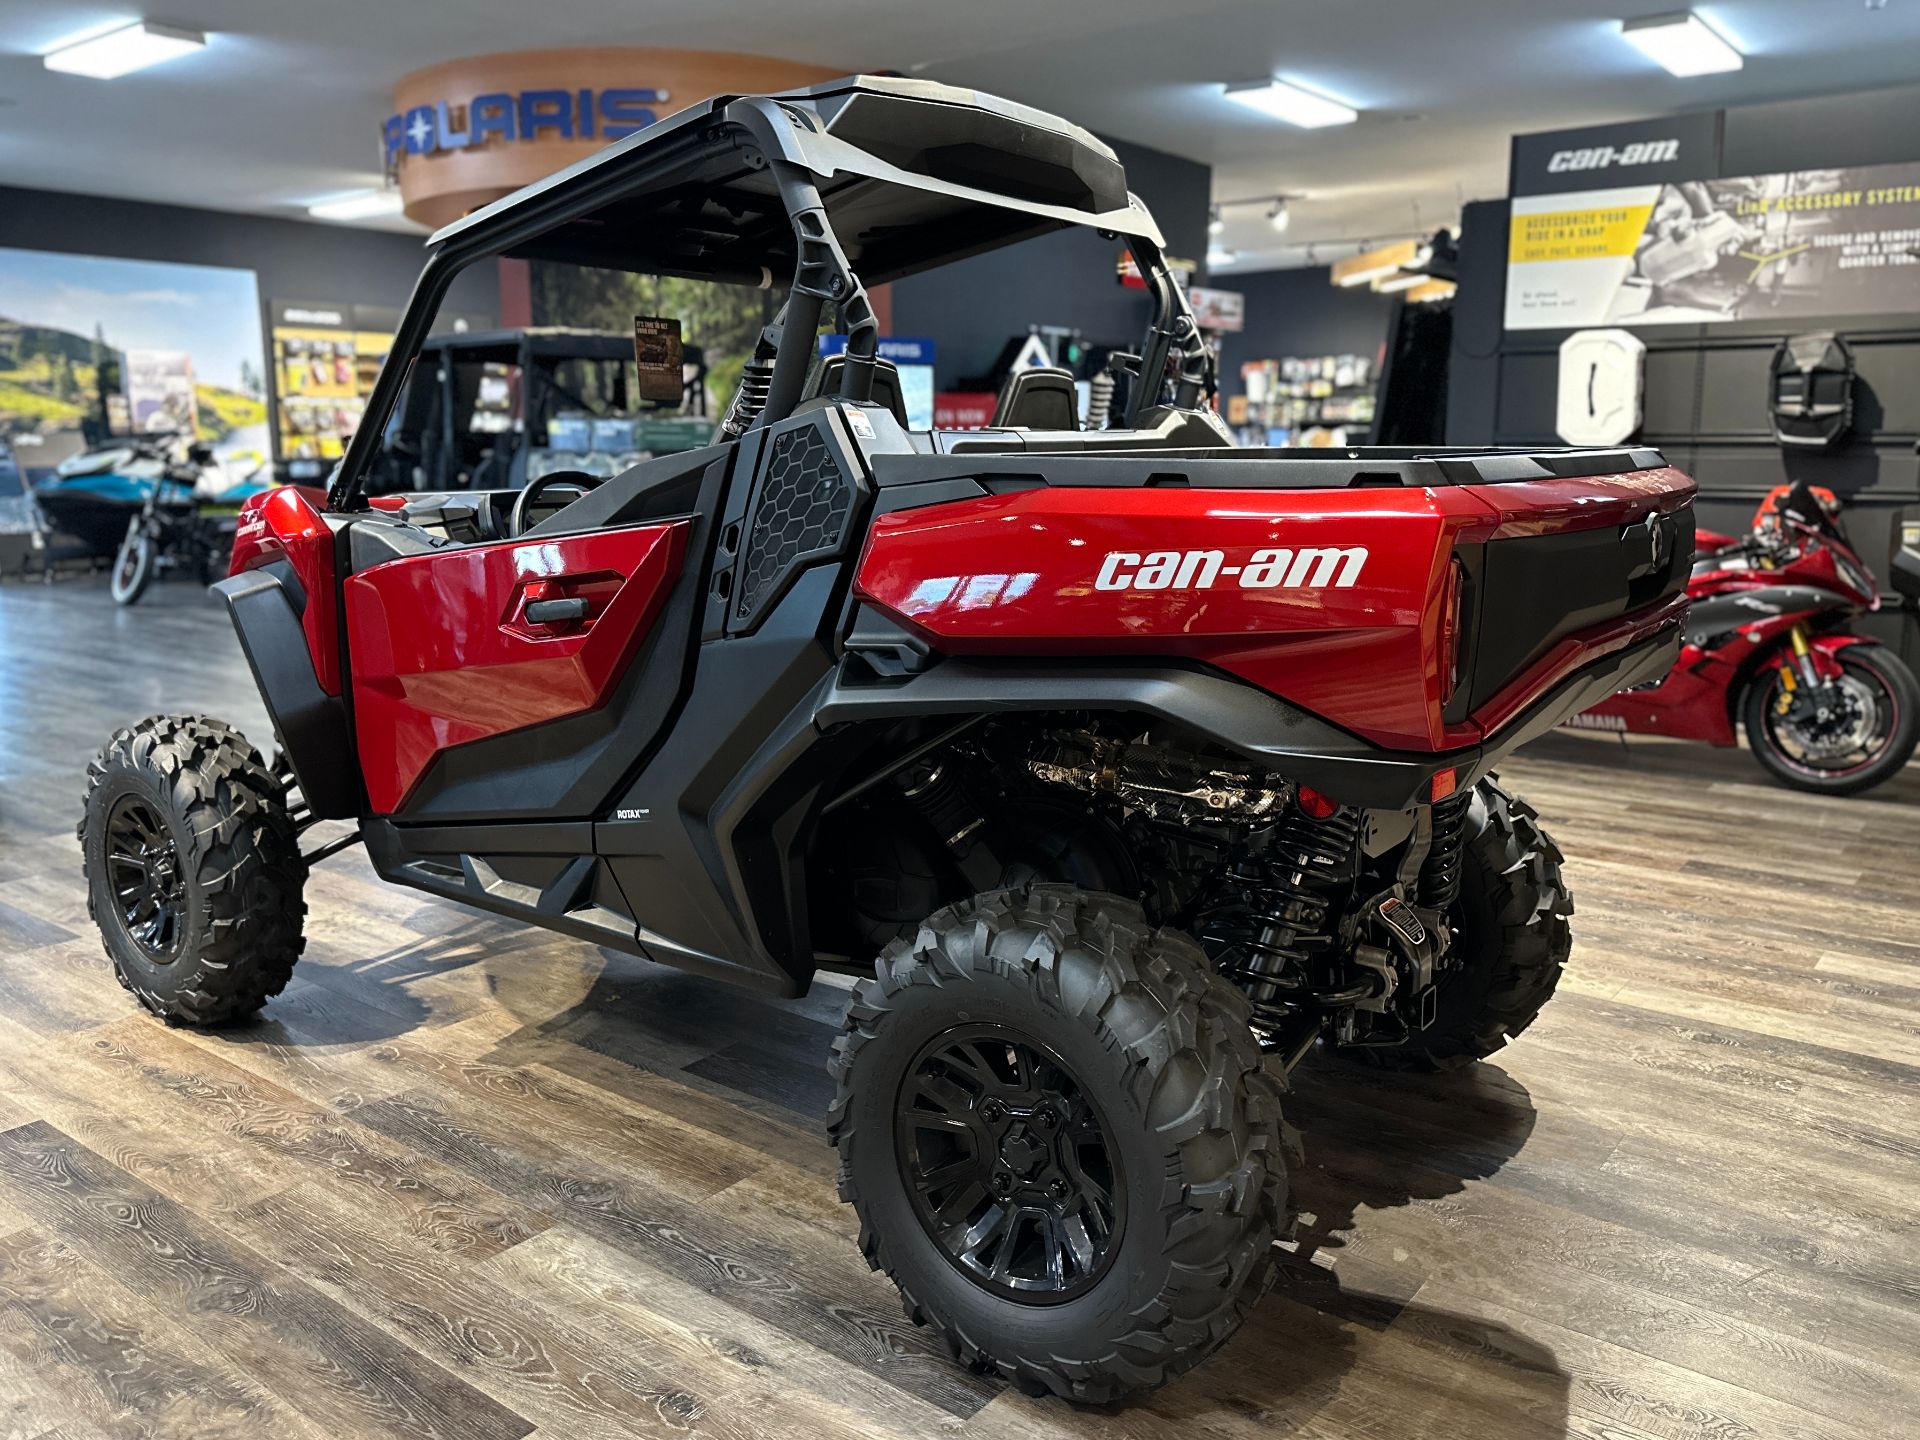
x: 468, y: 1180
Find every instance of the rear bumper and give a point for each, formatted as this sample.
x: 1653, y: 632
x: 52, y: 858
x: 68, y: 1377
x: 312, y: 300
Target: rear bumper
x: 1601, y: 660
x: 1645, y: 652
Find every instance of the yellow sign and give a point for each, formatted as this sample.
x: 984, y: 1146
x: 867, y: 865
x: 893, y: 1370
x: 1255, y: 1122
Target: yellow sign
x: 1596, y: 234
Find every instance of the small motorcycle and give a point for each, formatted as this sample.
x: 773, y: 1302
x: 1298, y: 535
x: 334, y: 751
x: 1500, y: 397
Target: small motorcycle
x: 1767, y: 645
x: 185, y: 522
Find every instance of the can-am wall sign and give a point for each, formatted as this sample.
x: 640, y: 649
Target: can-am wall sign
x: 462, y: 134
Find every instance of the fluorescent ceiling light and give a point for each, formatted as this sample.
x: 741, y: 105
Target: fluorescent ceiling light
x: 1683, y: 43
x: 1401, y: 281
x: 365, y: 205
x: 1349, y: 278
x: 1290, y: 103
x: 123, y: 51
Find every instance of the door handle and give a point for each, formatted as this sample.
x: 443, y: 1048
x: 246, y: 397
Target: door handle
x: 556, y: 612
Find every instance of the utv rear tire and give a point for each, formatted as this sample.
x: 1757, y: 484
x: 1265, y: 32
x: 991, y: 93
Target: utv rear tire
x: 192, y: 795
x: 1162, y: 1050
x: 1512, y: 937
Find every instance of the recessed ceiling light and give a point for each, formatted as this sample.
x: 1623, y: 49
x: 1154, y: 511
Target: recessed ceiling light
x: 1683, y: 43
x: 362, y: 205
x: 1282, y: 101
x: 123, y: 51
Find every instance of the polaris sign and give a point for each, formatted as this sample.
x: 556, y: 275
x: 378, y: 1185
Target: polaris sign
x: 512, y: 117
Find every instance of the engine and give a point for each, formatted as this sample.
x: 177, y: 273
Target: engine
x: 1332, y: 920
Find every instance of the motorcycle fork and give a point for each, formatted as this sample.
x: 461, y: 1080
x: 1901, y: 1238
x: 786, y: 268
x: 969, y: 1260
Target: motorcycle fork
x: 1803, y: 661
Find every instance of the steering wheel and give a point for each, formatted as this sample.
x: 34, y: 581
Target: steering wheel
x: 526, y: 501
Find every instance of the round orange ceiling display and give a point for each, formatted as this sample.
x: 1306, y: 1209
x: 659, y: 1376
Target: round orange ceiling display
x: 464, y: 133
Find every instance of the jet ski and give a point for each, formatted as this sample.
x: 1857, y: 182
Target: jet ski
x: 94, y: 496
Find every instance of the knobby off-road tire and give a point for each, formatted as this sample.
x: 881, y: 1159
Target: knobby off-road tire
x: 218, y: 817
x: 1513, y: 939
x: 1161, y: 1047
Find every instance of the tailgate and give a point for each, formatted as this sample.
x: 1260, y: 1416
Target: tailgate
x: 1569, y: 561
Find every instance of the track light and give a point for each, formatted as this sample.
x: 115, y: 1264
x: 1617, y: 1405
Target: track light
x: 1215, y: 225
x: 1278, y: 216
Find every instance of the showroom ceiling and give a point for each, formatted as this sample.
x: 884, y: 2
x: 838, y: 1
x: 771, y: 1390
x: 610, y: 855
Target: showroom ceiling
x: 283, y: 106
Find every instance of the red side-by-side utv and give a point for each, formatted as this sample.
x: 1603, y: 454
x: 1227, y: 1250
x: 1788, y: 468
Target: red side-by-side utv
x: 1131, y: 767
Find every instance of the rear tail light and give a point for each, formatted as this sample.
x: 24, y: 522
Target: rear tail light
x: 1314, y: 804
x: 1450, y: 615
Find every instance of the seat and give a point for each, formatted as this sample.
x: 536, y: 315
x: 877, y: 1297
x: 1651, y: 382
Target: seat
x: 1042, y: 398
x: 886, y: 384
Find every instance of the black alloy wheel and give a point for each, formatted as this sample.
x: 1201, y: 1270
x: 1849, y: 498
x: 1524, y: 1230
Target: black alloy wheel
x: 149, y: 885
x: 1010, y: 1165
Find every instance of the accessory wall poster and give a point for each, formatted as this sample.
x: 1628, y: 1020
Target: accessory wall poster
x: 1602, y: 379
x: 1803, y: 244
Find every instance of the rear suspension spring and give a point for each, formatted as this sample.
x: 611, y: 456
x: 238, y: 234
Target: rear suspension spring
x: 1280, y: 926
x: 1439, y: 883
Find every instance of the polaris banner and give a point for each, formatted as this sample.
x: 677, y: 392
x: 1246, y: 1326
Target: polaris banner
x: 1804, y: 245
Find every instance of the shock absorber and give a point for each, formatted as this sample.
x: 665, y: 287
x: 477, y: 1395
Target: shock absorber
x: 756, y: 382
x: 1439, y: 883
x: 1289, y: 899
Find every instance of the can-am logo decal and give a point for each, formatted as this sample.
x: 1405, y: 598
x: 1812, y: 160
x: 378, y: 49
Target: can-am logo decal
x: 1615, y: 157
x: 1313, y: 567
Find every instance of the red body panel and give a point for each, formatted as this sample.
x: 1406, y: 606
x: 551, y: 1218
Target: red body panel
x: 443, y: 652
x: 1359, y: 644
x: 285, y: 524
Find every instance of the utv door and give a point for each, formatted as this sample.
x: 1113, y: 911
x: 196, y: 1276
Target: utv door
x: 517, y: 679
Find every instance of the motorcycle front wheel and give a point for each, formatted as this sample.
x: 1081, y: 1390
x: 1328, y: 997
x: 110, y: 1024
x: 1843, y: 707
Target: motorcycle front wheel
x: 133, y: 567
x: 1860, y: 734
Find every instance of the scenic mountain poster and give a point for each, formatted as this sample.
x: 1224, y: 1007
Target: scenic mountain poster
x: 85, y: 341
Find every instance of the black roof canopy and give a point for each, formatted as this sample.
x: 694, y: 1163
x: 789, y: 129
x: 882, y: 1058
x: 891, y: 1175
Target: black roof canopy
x: 912, y: 175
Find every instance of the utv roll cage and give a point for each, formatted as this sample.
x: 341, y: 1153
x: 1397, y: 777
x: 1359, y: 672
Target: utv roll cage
x: 863, y: 180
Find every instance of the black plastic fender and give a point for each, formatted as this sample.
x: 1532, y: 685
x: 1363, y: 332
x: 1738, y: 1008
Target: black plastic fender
x: 310, y: 724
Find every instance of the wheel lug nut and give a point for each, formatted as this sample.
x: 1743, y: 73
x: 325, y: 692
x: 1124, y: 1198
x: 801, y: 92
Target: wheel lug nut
x: 993, y: 1110
x: 1048, y: 1118
x: 1058, y: 1189
x: 1002, y: 1182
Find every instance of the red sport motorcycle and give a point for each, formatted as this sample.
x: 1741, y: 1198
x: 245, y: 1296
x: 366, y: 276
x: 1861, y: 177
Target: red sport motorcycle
x: 1767, y: 644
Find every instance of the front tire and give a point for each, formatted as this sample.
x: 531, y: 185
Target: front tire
x: 1874, y: 678
x: 1511, y: 938
x: 133, y: 566
x: 193, y: 867
x: 1110, y: 1247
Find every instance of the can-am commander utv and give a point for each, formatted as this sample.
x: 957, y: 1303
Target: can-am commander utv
x: 1131, y: 766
